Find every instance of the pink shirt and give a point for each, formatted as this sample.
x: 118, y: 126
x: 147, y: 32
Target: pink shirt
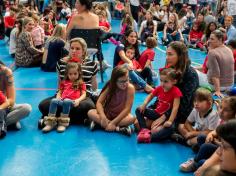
x: 69, y: 92
x: 38, y: 35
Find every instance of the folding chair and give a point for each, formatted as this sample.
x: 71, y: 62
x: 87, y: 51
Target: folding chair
x: 92, y: 38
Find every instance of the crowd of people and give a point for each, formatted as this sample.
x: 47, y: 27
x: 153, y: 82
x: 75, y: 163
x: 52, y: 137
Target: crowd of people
x: 184, y: 109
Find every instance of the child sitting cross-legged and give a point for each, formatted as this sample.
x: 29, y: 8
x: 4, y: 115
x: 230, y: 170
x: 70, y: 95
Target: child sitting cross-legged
x: 168, y: 96
x: 72, y: 92
x: 202, y: 120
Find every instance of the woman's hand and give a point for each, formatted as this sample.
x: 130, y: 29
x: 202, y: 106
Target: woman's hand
x: 76, y: 103
x: 111, y: 127
x: 167, y: 124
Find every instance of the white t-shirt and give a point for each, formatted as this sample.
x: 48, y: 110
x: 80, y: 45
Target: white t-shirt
x: 205, y: 123
x: 134, y: 2
x: 144, y: 23
x: 193, y: 2
x: 231, y: 6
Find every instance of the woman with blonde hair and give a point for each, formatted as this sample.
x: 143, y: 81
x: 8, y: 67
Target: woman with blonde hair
x: 26, y: 53
x: 54, y: 49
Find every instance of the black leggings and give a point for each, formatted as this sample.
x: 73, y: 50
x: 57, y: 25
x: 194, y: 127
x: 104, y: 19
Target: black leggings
x: 77, y: 114
x: 151, y: 114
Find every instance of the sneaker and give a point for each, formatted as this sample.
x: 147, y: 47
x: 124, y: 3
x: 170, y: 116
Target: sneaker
x: 188, y: 166
x: 92, y: 126
x: 18, y: 125
x: 126, y: 131
x: 144, y: 136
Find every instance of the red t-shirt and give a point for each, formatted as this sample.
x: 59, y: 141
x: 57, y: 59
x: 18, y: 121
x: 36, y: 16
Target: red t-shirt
x: 204, y: 66
x: 9, y: 21
x: 2, y: 98
x: 136, y: 64
x: 146, y: 55
x: 105, y: 24
x: 195, y: 35
x: 69, y: 92
x: 165, y: 99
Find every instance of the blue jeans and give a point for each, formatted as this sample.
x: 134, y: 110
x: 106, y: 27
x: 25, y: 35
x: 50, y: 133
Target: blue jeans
x: 173, y: 38
x: 205, y: 151
x: 66, y: 105
x: 135, y: 78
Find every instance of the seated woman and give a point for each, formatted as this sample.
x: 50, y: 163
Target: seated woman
x: 113, y: 108
x: 13, y: 112
x: 77, y: 53
x: 54, y: 49
x: 171, y: 30
x: 130, y: 39
x: 148, y: 27
x: 26, y: 54
x: 220, y: 74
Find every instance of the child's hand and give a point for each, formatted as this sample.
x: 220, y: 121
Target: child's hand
x: 167, y: 124
x: 142, y: 108
x: 104, y: 122
x: 158, y: 122
x: 190, y: 134
x: 110, y: 127
x: 76, y: 103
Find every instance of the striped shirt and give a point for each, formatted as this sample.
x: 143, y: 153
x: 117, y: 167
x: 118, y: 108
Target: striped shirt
x: 89, y: 69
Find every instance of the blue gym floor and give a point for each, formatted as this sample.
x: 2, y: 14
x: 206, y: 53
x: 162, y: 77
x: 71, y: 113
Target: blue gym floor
x: 78, y: 151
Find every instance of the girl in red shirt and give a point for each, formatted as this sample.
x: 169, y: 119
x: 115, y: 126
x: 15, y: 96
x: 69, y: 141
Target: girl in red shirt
x: 195, y: 36
x: 72, y: 92
x: 168, y: 98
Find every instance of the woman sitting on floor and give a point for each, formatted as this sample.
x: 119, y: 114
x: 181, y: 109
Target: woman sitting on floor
x: 26, y: 54
x: 77, y: 53
x: 10, y: 112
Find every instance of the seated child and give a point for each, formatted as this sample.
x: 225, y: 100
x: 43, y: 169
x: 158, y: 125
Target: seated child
x: 202, y: 120
x: 113, y: 107
x: 65, y: 11
x: 168, y: 98
x: 37, y: 33
x: 144, y: 73
x: 208, y: 144
x: 72, y: 92
x: 119, y: 8
x: 3, y: 127
x: 194, y: 38
x: 147, y: 56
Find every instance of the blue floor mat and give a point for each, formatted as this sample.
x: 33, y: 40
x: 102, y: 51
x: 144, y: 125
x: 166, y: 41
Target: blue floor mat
x: 78, y: 151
